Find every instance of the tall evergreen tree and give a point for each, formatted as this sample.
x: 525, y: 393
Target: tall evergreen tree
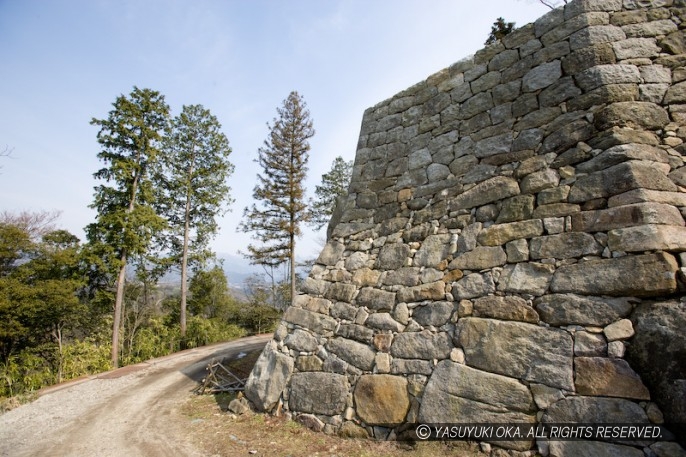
x: 131, y: 139
x: 195, y: 168
x: 334, y: 184
x: 280, y: 191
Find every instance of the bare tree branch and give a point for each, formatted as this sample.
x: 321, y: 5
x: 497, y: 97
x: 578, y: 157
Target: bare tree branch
x: 35, y: 223
x: 6, y: 152
x: 552, y: 5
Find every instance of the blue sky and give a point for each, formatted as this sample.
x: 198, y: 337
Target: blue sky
x: 65, y: 61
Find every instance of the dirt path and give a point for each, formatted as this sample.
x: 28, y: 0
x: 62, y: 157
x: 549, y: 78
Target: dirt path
x: 130, y: 411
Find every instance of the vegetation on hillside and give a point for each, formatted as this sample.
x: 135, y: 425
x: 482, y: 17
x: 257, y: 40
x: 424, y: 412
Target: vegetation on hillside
x: 70, y: 308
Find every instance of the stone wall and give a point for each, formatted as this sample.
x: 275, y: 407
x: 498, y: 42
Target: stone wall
x: 505, y: 218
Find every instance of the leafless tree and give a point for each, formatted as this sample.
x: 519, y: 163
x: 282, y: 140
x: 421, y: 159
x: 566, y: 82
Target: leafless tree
x: 6, y: 152
x: 35, y: 223
x: 552, y: 4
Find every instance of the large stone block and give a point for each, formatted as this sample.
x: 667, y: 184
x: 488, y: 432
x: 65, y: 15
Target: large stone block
x: 651, y: 275
x: 268, y: 378
x: 375, y: 299
x: 542, y: 76
x: 480, y: 258
x: 366, y: 277
x: 355, y: 332
x: 595, y: 410
x: 639, y: 115
x: 657, y: 352
x: 618, y: 179
x: 332, y: 252
x: 406, y: 276
x: 648, y: 238
x: 357, y: 354
x: 494, y: 189
x: 451, y: 379
x: 392, y: 256
x: 638, y: 214
x: 381, y: 399
x: 596, y: 34
x: 384, y: 321
x: 473, y: 285
x: 510, y: 308
x: 433, y: 313
x: 570, y: 309
x: 646, y: 195
x: 594, y: 448
x: 526, y: 278
x: 431, y: 291
x: 301, y: 341
x: 567, y: 135
x: 536, y: 182
x: 623, y: 153
x: 518, y: 350
x: 318, y: 323
x: 606, y: 377
x: 517, y: 208
x: 458, y: 394
x: 564, y: 245
x: 421, y: 345
x: 434, y: 250
x: 339, y: 291
x: 676, y: 93
x: 555, y: 210
x: 411, y: 366
x: 636, y: 48
x: 318, y: 393
x: 499, y: 234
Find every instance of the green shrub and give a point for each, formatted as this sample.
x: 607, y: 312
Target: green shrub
x: 202, y: 331
x: 85, y: 357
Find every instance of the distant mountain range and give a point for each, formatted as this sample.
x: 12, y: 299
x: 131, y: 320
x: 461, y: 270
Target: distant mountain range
x: 236, y: 268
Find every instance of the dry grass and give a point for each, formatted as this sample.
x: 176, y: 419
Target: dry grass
x: 218, y: 433
x: 9, y: 403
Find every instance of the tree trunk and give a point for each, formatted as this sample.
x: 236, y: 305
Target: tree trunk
x: 121, y: 278
x: 292, y: 268
x: 184, y: 271
x: 57, y: 334
x: 119, y: 299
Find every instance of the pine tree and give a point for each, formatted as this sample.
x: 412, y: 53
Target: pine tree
x: 131, y: 139
x: 334, y: 184
x: 193, y: 175
x: 499, y: 29
x: 280, y: 192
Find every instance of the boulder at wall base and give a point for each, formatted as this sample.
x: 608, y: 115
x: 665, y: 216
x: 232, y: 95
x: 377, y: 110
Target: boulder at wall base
x: 595, y: 410
x: 268, y: 378
x: 457, y: 393
x: 382, y: 399
x: 594, y: 448
x: 318, y: 393
x: 648, y: 275
x: 658, y: 353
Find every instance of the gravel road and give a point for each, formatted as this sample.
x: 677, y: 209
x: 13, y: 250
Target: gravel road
x: 130, y: 411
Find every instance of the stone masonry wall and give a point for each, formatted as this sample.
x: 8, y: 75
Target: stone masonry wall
x: 505, y: 218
